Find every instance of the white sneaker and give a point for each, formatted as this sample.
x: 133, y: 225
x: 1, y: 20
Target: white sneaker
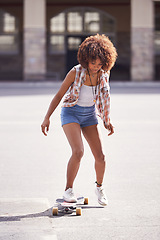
x: 69, y: 196
x: 102, y: 199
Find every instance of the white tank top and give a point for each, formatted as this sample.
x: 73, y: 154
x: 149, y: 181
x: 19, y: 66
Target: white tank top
x: 86, y: 98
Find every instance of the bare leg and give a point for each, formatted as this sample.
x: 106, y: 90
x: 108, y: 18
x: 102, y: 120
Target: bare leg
x: 92, y: 136
x: 73, y: 134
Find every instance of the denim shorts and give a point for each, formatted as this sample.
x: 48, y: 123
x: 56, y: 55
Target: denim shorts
x: 84, y: 116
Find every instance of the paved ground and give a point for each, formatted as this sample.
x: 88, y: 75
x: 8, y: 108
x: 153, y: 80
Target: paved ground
x: 33, y: 167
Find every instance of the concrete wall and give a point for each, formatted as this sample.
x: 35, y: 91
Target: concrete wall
x: 142, y: 44
x: 34, y: 39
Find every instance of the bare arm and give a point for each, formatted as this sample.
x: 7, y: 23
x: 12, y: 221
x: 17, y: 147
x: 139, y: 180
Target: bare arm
x: 69, y: 79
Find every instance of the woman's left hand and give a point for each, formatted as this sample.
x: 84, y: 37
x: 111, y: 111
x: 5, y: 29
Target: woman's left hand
x: 110, y: 128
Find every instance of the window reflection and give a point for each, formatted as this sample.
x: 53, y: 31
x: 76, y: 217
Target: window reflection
x: 8, y: 34
x: 73, y: 43
x: 157, y: 42
x: 9, y: 23
x: 92, y: 22
x: 6, y: 40
x: 79, y: 21
x: 57, y: 43
x: 74, y: 22
x: 58, y: 23
x: 8, y: 44
x: 157, y: 35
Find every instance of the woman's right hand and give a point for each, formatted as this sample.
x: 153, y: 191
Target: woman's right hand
x: 45, y: 126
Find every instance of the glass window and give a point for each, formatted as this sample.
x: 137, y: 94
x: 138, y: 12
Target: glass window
x: 73, y: 43
x: 74, y: 22
x: 66, y: 27
x: 8, y: 34
x: 107, y: 24
x: 8, y: 44
x: 157, y: 35
x: 57, y: 43
x: 57, y: 23
x: 92, y: 22
x: 157, y: 42
x: 9, y: 23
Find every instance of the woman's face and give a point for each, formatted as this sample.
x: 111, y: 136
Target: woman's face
x: 94, y: 66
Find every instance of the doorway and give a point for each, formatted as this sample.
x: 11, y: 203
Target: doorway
x: 73, y: 42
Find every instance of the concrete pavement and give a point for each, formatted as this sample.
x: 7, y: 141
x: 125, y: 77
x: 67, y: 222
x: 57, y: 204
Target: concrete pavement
x: 25, y: 219
x: 33, y: 167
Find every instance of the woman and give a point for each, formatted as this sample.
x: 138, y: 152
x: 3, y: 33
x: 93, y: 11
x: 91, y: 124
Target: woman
x: 88, y: 85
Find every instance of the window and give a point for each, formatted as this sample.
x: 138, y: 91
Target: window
x: 157, y: 35
x: 58, y: 23
x: 8, y: 34
x: 92, y: 22
x: 57, y: 43
x: 9, y: 23
x: 73, y: 43
x: 75, y: 22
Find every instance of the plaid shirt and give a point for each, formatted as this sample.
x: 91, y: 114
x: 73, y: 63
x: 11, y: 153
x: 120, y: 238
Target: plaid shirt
x: 102, y: 96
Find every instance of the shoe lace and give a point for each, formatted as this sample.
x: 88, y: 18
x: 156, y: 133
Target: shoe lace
x: 71, y: 193
x: 101, y: 190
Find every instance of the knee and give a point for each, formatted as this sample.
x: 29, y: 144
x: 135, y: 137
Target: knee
x: 101, y: 158
x: 78, y: 154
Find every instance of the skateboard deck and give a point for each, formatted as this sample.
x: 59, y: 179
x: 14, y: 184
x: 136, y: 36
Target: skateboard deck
x: 65, y: 207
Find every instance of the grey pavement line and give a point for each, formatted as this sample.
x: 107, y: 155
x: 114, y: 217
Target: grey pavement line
x: 47, y: 84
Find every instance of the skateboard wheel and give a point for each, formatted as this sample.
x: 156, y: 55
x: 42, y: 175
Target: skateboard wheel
x: 55, y: 211
x: 78, y: 211
x: 85, y: 201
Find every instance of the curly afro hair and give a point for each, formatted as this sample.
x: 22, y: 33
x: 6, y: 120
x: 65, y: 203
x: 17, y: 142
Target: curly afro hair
x: 98, y: 46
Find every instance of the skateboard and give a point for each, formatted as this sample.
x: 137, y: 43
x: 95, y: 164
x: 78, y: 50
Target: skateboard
x: 65, y: 207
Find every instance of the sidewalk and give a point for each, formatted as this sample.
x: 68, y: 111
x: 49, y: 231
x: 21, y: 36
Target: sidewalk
x: 42, y: 88
x: 18, y: 84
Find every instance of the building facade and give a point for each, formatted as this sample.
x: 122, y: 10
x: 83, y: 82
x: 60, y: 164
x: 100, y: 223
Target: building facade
x: 39, y: 39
